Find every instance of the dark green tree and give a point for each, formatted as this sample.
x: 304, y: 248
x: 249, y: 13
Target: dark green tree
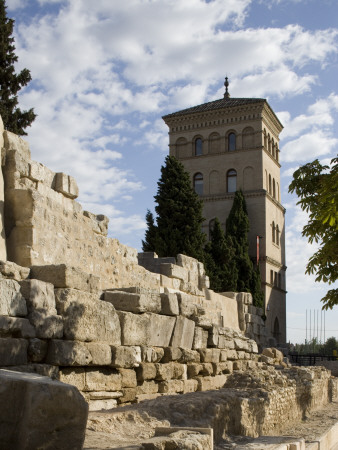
x: 237, y: 228
x: 220, y: 260
x: 179, y: 213
x: 13, y: 118
x: 149, y: 243
x: 317, y: 188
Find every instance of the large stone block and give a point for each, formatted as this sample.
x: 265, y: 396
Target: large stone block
x: 174, y: 271
x: 63, y: 276
x: 183, y: 334
x: 129, y: 379
x: 13, y: 351
x: 66, y: 185
x: 134, y: 302
x: 16, y: 327
x: 46, y: 327
x: 68, y: 353
x: 210, y: 355
x: 13, y: 142
x: 39, y: 296
x: 11, y: 270
x: 100, y: 352
x: 86, y: 318
x: 37, y: 350
x: 40, y: 413
x: 186, y: 305
x: 75, y: 376
x: 200, y: 338
x: 152, y: 354
x: 12, y: 302
x: 146, y: 329
x: 126, y: 357
x: 104, y: 379
x: 169, y: 304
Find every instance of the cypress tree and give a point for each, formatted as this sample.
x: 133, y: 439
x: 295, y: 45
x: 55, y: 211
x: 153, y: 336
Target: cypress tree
x: 237, y: 227
x: 179, y: 213
x: 13, y: 118
x: 220, y: 260
x: 149, y: 243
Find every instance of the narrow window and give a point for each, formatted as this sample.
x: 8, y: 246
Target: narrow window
x: 231, y: 180
x: 198, y: 147
x: 277, y: 235
x: 273, y: 188
x: 273, y: 232
x: 269, y: 184
x: 271, y: 276
x: 198, y: 183
x: 232, y: 142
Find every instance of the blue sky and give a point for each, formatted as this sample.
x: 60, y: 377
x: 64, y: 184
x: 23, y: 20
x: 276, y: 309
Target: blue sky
x: 105, y: 72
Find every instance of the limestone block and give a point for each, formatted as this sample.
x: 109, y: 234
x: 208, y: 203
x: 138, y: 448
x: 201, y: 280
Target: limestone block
x: 146, y: 371
x: 146, y: 329
x: 63, y: 276
x: 39, y: 296
x: 102, y: 395
x: 174, y: 271
x: 37, y: 350
x: 164, y: 371
x: 232, y: 355
x: 224, y: 355
x: 126, y: 357
x: 147, y: 387
x: 16, y: 327
x: 75, y: 376
x: 241, y: 344
x: 66, y: 185
x: 186, y: 305
x: 170, y: 283
x: 13, y: 271
x: 171, y: 386
x: 253, y: 347
x: 210, y: 355
x: 207, y: 369
x: 46, y: 327
x: 183, y: 334
x: 132, y: 302
x: 14, y: 142
x: 12, y: 302
x: 102, y: 404
x: 151, y: 354
x: 190, y: 386
x: 223, y: 367
x: 193, y: 369
x: 100, y: 352
x: 203, y: 322
x: 171, y: 354
x: 200, y: 338
x: 86, y: 318
x: 224, y: 342
x: 213, y: 337
x: 128, y: 376
x: 189, y: 356
x: 13, y: 351
x: 237, y: 365
x: 103, y: 379
x: 52, y: 414
x: 268, y: 352
x: 169, y: 304
x: 68, y: 353
x: 190, y: 288
x: 128, y: 395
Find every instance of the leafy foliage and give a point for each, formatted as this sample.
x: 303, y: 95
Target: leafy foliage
x: 179, y: 215
x: 220, y: 261
x: 13, y: 118
x: 317, y: 187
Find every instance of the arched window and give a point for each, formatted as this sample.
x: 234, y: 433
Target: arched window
x: 265, y: 140
x: 198, y: 183
x: 273, y: 188
x: 231, y: 142
x: 277, y: 235
x: 269, y: 143
x: 273, y: 148
x: 198, y: 147
x: 231, y: 180
x: 269, y: 184
x: 273, y: 232
x: 248, y: 137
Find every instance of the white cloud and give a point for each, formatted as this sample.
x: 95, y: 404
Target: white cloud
x: 308, y: 146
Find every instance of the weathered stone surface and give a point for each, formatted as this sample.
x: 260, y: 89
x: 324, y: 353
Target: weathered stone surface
x: 224, y: 342
x: 189, y: 356
x: 13, y: 142
x: 13, y: 351
x: 152, y: 354
x: 52, y: 414
x: 146, y: 371
x: 213, y: 337
x: 75, y: 376
x: 171, y: 386
x: 169, y: 304
x: 147, y: 387
x: 12, y: 271
x: 171, y: 354
x: 86, y: 318
x: 102, y: 404
x: 200, y: 338
x: 210, y: 355
x: 129, y: 379
x: 183, y: 334
x: 100, y: 352
x: 146, y: 329
x: 134, y: 302
x: 103, y: 379
x: 37, y: 350
x: 63, y: 276
x: 68, y: 353
x: 186, y: 305
x: 12, y: 302
x: 46, y: 327
x: 66, y: 185
x: 39, y: 296
x: 128, y: 395
x: 46, y: 370
x: 16, y: 327
x: 126, y: 357
x: 174, y: 271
